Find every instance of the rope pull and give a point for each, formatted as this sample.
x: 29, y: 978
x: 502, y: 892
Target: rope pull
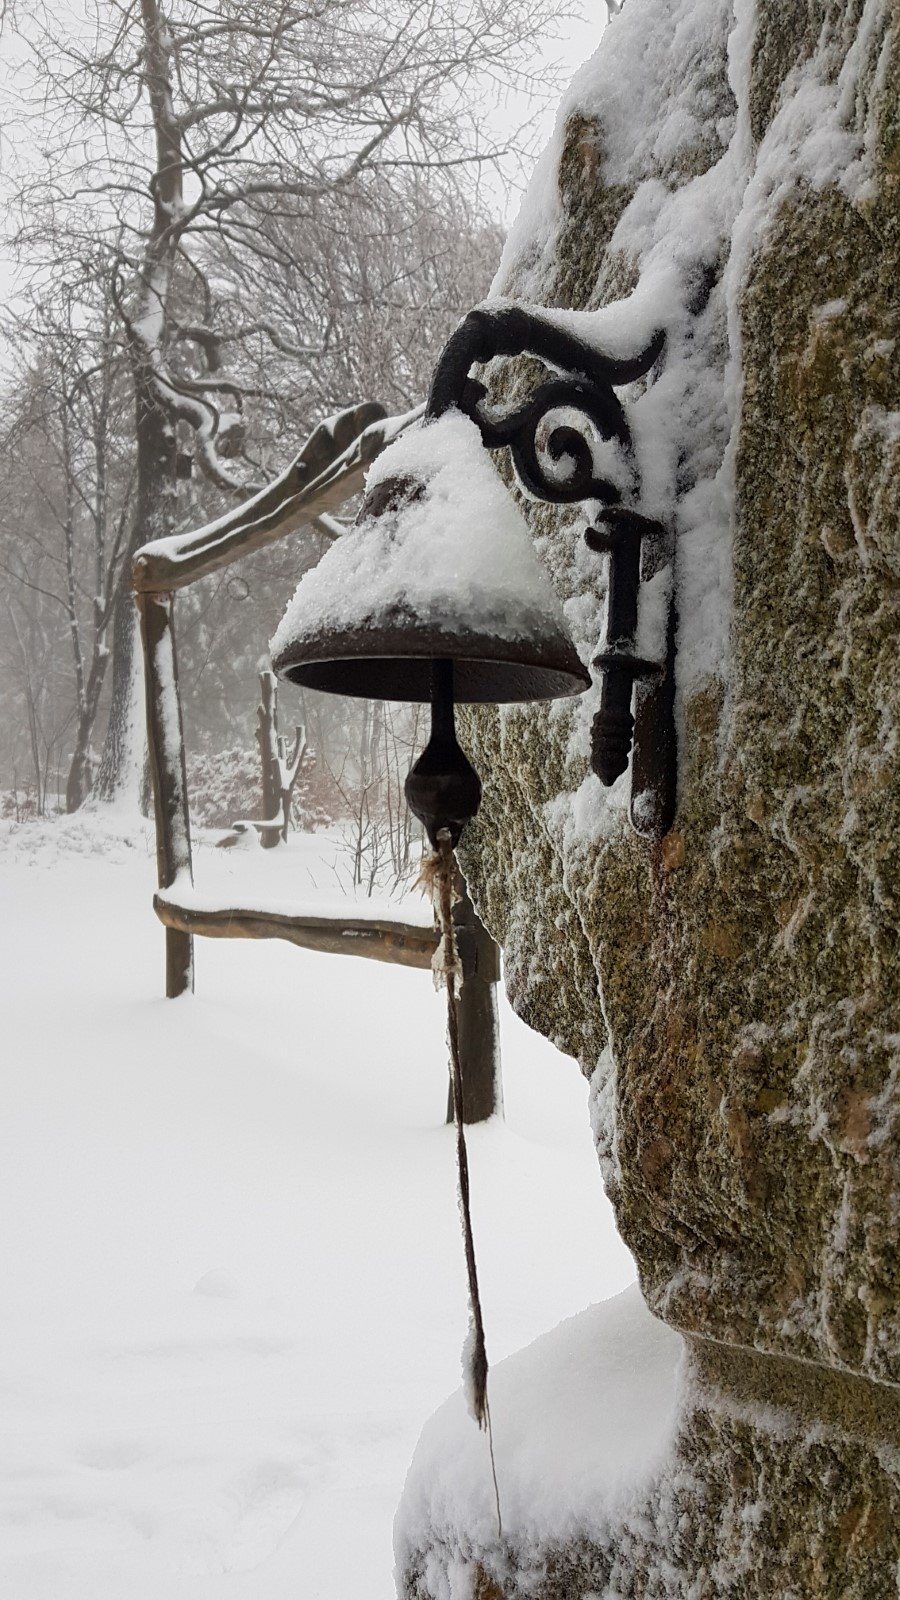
x: 438, y: 876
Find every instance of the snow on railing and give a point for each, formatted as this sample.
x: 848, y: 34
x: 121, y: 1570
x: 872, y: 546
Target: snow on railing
x: 329, y: 470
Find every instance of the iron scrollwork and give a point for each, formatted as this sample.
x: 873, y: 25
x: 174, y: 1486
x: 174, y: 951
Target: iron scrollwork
x: 637, y: 546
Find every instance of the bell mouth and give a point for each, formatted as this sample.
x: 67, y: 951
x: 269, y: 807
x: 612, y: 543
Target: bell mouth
x: 485, y: 670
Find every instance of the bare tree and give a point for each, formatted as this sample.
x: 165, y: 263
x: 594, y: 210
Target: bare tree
x: 198, y: 145
x: 280, y: 768
x: 378, y: 273
x: 30, y: 645
x: 66, y: 453
x: 368, y: 762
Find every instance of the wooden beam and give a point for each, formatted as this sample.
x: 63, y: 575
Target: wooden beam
x: 402, y: 944
x: 329, y: 469
x: 476, y: 1014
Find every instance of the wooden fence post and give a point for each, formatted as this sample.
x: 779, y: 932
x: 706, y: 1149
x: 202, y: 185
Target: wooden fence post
x: 476, y: 1009
x: 165, y: 737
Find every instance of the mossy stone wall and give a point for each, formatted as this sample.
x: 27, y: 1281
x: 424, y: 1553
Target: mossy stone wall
x: 734, y: 992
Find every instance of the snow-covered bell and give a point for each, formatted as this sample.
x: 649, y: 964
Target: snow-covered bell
x: 435, y: 594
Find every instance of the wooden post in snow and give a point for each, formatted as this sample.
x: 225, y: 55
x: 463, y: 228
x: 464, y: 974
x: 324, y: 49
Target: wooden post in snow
x: 165, y: 738
x: 477, y: 1015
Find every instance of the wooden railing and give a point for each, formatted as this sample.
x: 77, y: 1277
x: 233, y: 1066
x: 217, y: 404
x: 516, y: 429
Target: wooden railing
x: 328, y: 471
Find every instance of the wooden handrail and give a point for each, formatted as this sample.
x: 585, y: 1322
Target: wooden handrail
x: 405, y: 944
x: 329, y: 470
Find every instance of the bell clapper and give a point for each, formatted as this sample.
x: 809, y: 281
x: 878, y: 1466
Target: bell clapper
x: 443, y: 789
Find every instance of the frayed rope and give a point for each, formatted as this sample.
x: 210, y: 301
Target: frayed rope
x: 437, y: 878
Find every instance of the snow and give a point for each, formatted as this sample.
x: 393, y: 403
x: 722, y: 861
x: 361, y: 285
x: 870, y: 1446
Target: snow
x: 582, y: 1421
x: 535, y: 229
x: 148, y: 325
x: 655, y: 111
x: 460, y: 555
x: 233, y: 1278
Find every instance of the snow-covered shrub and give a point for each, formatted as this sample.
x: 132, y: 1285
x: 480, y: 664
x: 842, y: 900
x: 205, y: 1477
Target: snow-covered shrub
x: 224, y: 785
x: 18, y: 804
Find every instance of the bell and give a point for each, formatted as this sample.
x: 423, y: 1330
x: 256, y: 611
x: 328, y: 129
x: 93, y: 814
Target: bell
x: 435, y: 595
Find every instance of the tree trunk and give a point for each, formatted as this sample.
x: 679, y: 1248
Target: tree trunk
x: 267, y: 741
x: 80, y: 780
x: 118, y: 748
x: 121, y: 765
x: 476, y: 1010
x: 154, y: 428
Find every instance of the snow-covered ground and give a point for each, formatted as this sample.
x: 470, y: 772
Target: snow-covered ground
x: 233, y: 1287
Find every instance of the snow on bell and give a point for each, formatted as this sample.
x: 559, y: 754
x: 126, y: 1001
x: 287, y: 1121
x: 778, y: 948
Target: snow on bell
x: 436, y: 594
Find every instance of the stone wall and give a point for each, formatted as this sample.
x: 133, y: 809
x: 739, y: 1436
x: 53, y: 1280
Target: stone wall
x: 734, y: 993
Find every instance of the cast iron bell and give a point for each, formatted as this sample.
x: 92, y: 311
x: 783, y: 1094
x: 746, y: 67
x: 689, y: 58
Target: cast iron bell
x: 436, y: 594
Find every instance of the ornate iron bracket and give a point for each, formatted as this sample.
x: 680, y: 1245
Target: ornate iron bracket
x: 638, y: 547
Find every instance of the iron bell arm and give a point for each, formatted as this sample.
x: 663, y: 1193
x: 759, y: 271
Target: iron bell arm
x: 585, y: 380
x: 517, y: 330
